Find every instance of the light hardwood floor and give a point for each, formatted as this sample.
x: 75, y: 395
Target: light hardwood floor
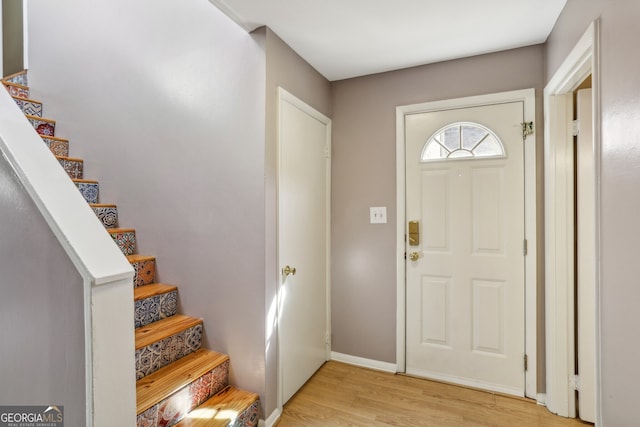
x: 345, y: 395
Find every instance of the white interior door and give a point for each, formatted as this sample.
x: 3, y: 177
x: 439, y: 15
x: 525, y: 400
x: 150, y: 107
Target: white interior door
x: 559, y: 255
x: 465, y: 318
x: 303, y: 230
x: 586, y: 257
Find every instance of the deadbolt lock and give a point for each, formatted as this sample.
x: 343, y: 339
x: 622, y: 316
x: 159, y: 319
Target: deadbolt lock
x: 414, y: 233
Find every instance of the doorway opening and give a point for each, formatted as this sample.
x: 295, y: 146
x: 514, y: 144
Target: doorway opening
x: 13, y: 49
x: 584, y: 248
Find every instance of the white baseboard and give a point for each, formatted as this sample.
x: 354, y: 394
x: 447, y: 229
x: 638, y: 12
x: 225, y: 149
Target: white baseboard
x: 271, y: 421
x: 364, y: 363
x: 541, y: 399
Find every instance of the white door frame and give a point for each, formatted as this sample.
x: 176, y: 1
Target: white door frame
x: 527, y: 96
x: 284, y: 96
x: 559, y: 229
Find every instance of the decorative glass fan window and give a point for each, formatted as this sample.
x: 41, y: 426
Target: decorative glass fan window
x: 462, y: 140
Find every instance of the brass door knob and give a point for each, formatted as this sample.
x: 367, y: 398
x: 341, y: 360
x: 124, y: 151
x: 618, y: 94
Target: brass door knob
x: 287, y: 270
x: 414, y: 256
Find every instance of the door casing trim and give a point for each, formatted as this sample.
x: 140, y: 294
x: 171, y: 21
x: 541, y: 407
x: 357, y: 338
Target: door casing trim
x: 527, y: 96
x: 583, y: 60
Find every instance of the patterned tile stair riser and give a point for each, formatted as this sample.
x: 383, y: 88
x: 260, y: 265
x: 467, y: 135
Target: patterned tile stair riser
x: 17, y: 90
x: 29, y: 106
x: 88, y: 189
x: 249, y: 417
x: 125, y: 239
x: 59, y: 147
x: 73, y: 167
x: 160, y: 304
x: 144, y: 269
x: 43, y: 126
x: 161, y: 353
x: 18, y: 78
x: 107, y: 214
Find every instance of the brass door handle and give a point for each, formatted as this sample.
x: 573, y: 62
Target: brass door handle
x: 414, y: 256
x: 287, y: 270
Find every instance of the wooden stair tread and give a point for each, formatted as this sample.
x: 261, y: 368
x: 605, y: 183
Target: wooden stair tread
x: 71, y: 159
x: 167, y: 380
x: 139, y: 258
x: 6, y: 82
x: 16, y: 74
x: 161, y: 329
x: 210, y: 413
x: 102, y: 205
x: 41, y: 119
x: 85, y: 181
x: 55, y: 138
x: 151, y: 290
x: 26, y: 99
x: 121, y: 230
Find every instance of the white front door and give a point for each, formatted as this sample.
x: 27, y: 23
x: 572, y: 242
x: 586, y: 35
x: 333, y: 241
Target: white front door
x: 465, y: 293
x: 303, y: 230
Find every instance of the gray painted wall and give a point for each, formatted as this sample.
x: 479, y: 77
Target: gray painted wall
x: 165, y: 102
x: 364, y: 174
x: 286, y: 69
x: 182, y: 118
x: 620, y: 116
x: 41, y: 309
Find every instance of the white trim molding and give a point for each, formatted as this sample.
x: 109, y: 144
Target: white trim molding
x: 541, y: 399
x: 559, y: 224
x: 364, y: 363
x: 233, y: 15
x: 527, y: 96
x: 272, y: 420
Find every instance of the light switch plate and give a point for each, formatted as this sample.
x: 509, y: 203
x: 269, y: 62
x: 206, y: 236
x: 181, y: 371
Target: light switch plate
x: 378, y: 215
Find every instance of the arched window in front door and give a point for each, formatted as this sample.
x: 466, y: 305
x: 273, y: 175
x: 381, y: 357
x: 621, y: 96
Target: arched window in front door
x: 462, y: 140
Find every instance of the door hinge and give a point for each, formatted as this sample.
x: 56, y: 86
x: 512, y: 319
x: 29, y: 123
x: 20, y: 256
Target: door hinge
x: 574, y: 382
x: 524, y: 247
x: 575, y: 127
x: 327, y: 338
x: 526, y: 362
x: 327, y: 151
x: 527, y: 129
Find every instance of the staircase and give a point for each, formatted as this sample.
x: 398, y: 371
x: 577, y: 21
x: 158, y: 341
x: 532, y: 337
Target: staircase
x: 179, y: 383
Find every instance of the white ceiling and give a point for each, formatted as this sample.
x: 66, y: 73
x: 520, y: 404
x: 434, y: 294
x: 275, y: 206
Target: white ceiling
x: 349, y: 38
